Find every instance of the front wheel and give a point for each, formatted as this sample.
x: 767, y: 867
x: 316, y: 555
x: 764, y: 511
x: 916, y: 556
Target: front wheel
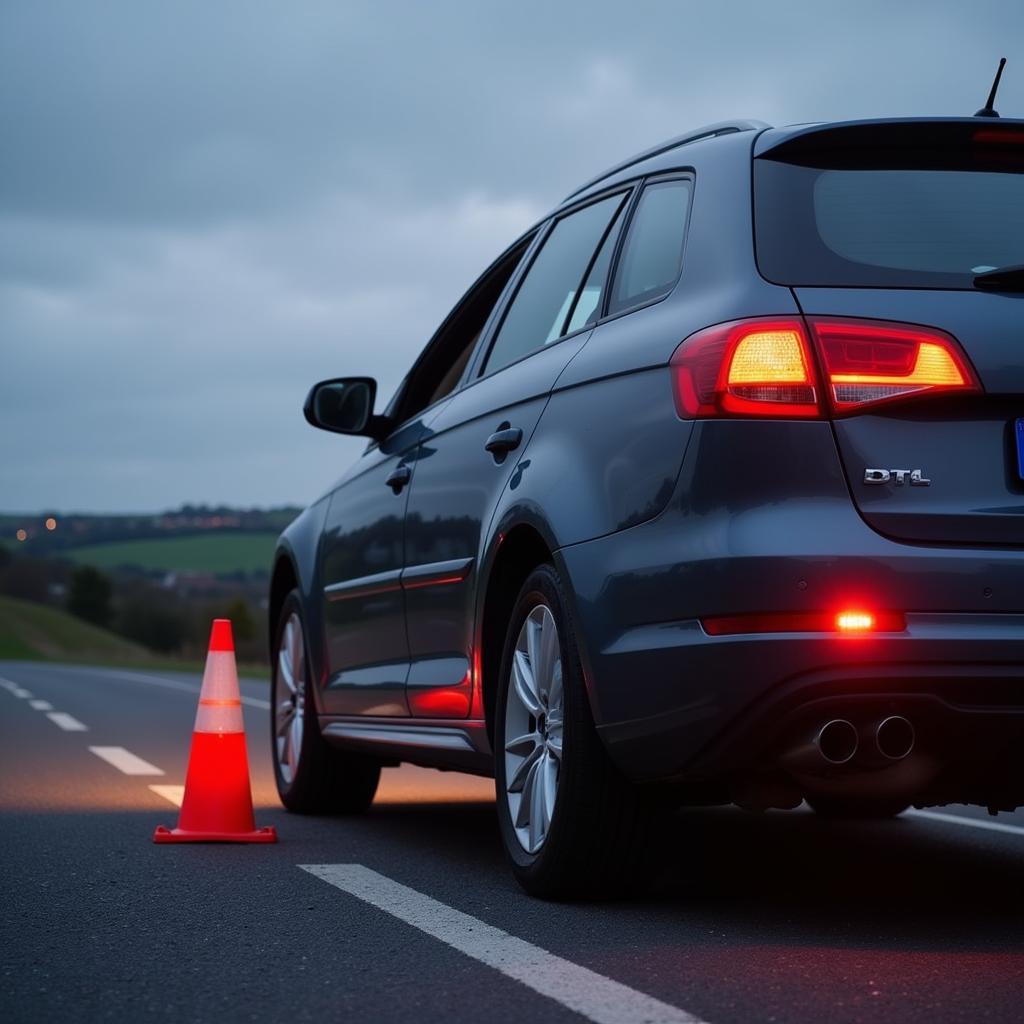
x: 312, y: 777
x: 571, y: 824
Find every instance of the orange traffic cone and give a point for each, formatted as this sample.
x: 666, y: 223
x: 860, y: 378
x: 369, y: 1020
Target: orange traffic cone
x: 218, y: 801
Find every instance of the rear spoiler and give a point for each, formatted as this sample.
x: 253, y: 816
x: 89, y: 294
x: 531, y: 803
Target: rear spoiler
x: 901, y: 142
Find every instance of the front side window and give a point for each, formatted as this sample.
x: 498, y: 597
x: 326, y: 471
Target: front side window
x: 538, y: 314
x: 652, y: 255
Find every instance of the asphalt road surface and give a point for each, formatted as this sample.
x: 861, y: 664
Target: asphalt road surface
x: 409, y: 913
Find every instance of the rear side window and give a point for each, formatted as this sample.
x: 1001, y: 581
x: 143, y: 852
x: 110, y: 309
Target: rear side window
x: 652, y: 255
x: 588, y: 302
x: 542, y: 305
x: 885, y: 224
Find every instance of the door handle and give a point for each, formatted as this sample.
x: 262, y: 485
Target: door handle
x: 502, y: 441
x: 398, y: 478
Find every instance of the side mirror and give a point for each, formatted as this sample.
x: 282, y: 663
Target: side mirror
x: 344, y: 406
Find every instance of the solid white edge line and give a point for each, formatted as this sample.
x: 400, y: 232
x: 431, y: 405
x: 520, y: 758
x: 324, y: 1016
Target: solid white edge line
x: 956, y: 819
x: 40, y: 705
x: 67, y: 722
x: 173, y: 794
x: 577, y: 988
x: 125, y: 761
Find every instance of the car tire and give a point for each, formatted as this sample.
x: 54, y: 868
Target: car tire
x: 593, y: 842
x: 839, y: 807
x: 312, y: 777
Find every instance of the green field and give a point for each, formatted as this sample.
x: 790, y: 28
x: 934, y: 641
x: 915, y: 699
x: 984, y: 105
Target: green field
x: 206, y: 552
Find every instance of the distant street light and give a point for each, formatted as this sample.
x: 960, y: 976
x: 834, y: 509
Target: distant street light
x: 21, y: 535
x: 51, y: 524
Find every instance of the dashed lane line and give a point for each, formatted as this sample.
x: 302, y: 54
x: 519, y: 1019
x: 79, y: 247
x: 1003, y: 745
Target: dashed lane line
x: 174, y: 794
x: 956, y: 819
x: 40, y: 705
x: 67, y: 722
x: 581, y: 990
x: 125, y: 761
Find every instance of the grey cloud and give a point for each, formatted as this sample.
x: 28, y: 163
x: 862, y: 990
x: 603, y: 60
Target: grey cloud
x: 205, y: 207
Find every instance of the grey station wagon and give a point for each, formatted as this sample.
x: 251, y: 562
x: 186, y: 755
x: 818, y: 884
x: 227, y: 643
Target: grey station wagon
x: 710, y: 490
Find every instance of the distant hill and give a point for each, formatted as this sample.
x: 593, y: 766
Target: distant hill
x: 215, y: 540
x: 37, y: 632
x: 34, y: 631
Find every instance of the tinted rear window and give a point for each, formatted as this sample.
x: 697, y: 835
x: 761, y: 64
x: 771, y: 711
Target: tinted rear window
x: 925, y: 227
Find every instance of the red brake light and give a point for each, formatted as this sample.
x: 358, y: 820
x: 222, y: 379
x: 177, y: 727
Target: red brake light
x: 766, y: 367
x: 749, y: 367
x: 868, y: 361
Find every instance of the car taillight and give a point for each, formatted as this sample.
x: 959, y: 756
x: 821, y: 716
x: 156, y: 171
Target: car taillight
x: 765, y: 367
x: 749, y: 367
x: 866, y: 361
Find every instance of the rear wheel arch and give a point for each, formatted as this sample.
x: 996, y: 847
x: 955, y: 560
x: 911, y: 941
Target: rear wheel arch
x: 520, y: 550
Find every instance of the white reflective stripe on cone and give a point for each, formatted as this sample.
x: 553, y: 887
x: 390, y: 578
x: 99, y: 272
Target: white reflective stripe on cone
x: 220, y: 679
x: 219, y: 716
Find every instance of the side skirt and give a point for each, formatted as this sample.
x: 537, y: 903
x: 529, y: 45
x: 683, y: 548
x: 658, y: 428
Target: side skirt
x: 458, y: 745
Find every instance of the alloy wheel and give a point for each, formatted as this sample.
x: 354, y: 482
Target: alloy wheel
x: 534, y: 717
x: 290, y: 699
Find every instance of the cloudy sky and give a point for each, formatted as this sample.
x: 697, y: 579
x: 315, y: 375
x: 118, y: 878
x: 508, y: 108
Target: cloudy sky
x: 205, y: 207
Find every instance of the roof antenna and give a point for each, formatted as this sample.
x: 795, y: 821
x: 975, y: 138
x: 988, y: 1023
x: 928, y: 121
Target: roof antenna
x: 988, y: 110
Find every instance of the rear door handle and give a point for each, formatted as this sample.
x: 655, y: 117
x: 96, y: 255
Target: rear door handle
x: 398, y: 478
x: 503, y: 441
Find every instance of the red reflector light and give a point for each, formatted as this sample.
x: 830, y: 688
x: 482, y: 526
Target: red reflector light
x: 854, y: 622
x: 847, y: 621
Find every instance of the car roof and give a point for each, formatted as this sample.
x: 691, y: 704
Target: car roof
x: 709, y: 131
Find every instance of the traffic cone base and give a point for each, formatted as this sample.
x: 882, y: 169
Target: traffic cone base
x: 217, y: 806
x: 267, y: 834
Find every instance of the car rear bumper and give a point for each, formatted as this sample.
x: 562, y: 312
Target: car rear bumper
x: 740, y: 703
x: 670, y: 701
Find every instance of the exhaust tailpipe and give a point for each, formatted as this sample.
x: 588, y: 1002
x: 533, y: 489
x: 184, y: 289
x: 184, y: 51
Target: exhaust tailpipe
x: 894, y: 737
x: 837, y: 741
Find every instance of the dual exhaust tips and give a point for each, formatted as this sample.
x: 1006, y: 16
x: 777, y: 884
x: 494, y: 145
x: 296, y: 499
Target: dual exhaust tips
x: 838, y: 739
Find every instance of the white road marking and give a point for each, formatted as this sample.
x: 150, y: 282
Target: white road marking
x: 67, y: 722
x: 177, y: 684
x: 40, y: 705
x: 23, y: 694
x: 125, y: 761
x: 7, y: 684
x: 175, y: 794
x: 956, y: 819
x: 584, y: 991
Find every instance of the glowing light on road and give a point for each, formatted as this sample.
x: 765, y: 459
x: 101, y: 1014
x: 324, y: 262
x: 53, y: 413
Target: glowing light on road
x: 21, y: 535
x: 51, y: 524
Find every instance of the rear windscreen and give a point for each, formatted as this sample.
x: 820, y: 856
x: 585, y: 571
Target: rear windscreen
x: 886, y: 226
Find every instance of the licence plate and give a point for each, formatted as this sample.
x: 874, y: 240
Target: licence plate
x: 1020, y: 447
